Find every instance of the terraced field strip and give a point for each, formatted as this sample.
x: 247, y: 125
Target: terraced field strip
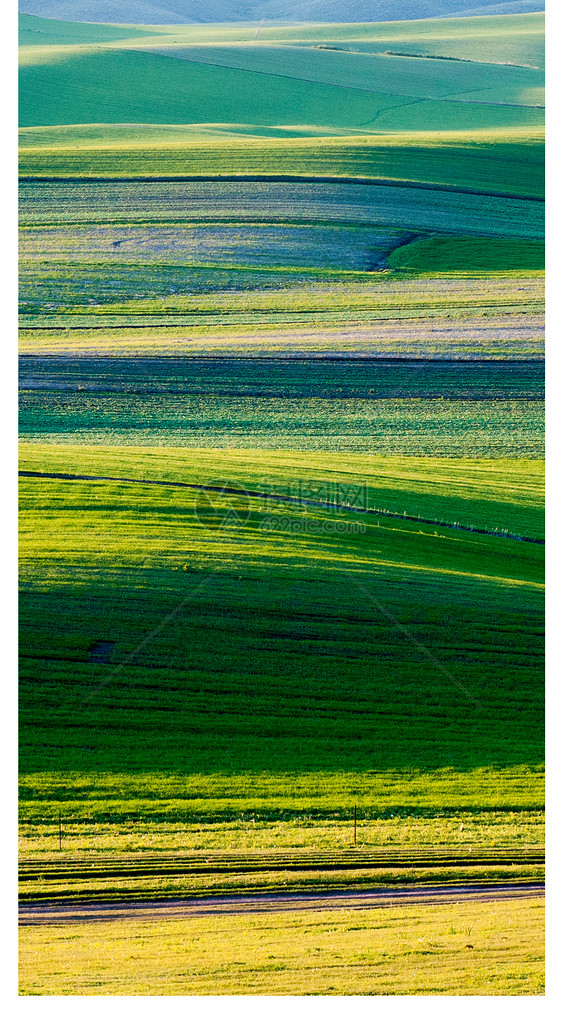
x: 507, y: 165
x: 279, y: 497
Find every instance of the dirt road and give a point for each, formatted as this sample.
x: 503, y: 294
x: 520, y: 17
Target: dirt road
x: 49, y: 914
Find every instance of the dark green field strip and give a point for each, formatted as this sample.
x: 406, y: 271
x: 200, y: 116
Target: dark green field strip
x: 419, y: 427
x: 328, y: 674
x: 278, y: 498
x: 292, y: 178
x: 325, y: 376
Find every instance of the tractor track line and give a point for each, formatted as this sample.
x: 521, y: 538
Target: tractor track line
x: 280, y: 498
x: 61, y: 914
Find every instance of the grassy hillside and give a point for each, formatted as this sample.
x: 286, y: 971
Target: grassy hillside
x: 445, y: 254
x: 292, y: 76
x: 318, y: 648
x: 89, y: 87
x: 378, y: 73
x: 505, y: 39
x: 486, y: 493
x: 40, y: 31
x: 505, y: 162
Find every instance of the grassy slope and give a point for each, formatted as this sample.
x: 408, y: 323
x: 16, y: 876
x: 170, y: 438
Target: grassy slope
x: 400, y: 76
x: 37, y: 31
x: 499, y: 162
x: 445, y: 254
x: 93, y: 87
x: 182, y: 11
x: 497, y: 39
x: 78, y: 83
x: 400, y: 208
x: 498, y: 159
x: 504, y: 39
x: 354, y: 248
x: 493, y: 494
x: 311, y: 609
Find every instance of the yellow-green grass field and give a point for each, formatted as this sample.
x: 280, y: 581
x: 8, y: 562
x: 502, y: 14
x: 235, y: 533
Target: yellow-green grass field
x: 303, y: 268
x: 348, y: 693
x: 493, y: 949
x: 487, y: 493
x: 502, y: 829
x: 503, y: 161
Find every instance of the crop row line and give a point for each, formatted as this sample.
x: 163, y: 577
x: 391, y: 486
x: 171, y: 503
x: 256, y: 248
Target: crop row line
x: 282, y: 855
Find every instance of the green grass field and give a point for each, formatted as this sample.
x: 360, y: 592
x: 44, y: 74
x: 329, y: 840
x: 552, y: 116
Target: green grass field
x: 459, y: 254
x: 282, y: 506
x: 293, y: 585
x: 446, y: 409
x: 507, y: 162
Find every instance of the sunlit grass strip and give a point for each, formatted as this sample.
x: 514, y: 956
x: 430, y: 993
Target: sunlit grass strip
x: 468, y: 949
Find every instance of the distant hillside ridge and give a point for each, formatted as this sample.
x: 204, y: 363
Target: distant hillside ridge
x: 209, y: 11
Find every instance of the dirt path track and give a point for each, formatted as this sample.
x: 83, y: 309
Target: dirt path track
x: 39, y: 915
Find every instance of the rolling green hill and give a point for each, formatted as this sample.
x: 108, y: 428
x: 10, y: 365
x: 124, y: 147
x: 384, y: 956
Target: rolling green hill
x: 88, y: 87
x: 364, y: 80
x: 315, y: 605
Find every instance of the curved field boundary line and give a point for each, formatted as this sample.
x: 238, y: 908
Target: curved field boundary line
x: 280, y: 498
x: 369, y: 181
x: 49, y: 914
